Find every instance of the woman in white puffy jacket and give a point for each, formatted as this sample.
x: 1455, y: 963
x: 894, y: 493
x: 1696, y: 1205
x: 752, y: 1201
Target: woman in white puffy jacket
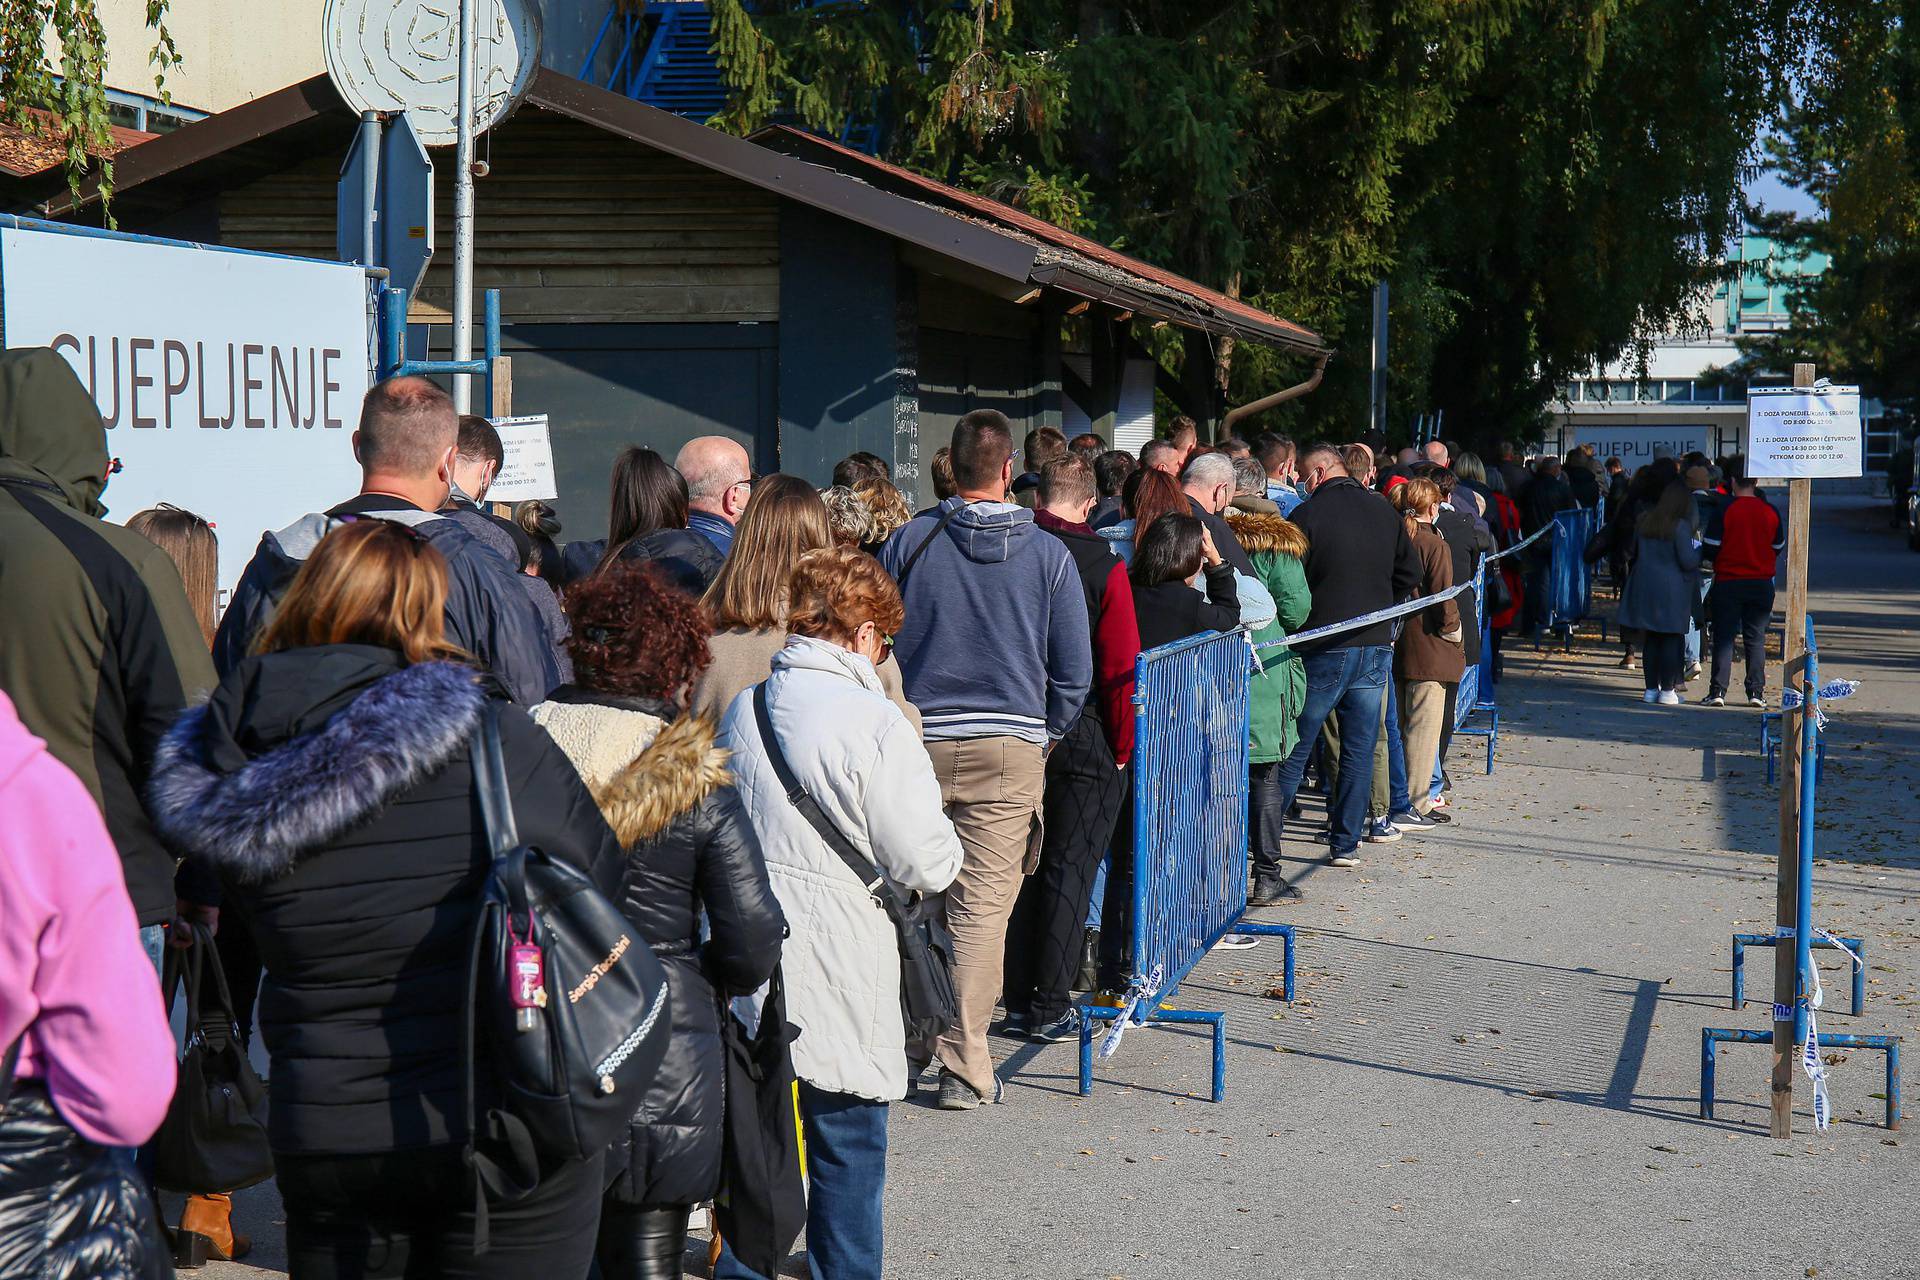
x: 863, y: 763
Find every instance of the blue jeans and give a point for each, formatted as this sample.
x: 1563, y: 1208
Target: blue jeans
x: 1399, y: 799
x: 1353, y: 683
x: 846, y: 1173
x: 1098, y: 900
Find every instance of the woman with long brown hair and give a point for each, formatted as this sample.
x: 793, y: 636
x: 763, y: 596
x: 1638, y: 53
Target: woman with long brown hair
x: 1429, y: 655
x: 1147, y: 495
x: 784, y: 519
x: 190, y: 543
x: 647, y: 520
x: 329, y: 783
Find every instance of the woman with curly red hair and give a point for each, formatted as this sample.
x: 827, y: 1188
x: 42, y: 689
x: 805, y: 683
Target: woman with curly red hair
x: 639, y: 646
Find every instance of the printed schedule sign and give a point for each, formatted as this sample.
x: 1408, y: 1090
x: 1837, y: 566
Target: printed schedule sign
x: 230, y: 383
x: 527, y: 469
x: 1797, y: 433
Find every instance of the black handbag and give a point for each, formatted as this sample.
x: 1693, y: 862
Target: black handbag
x: 1499, y: 594
x: 66, y: 1202
x: 928, y: 1003
x: 566, y: 1000
x: 762, y: 1203
x: 214, y: 1138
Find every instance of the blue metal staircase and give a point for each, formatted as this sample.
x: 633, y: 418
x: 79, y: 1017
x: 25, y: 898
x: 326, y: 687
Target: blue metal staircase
x: 665, y: 60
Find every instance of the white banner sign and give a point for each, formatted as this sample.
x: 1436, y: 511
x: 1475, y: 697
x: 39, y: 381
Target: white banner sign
x: 1798, y: 433
x: 230, y: 383
x: 1636, y: 446
x: 527, y: 471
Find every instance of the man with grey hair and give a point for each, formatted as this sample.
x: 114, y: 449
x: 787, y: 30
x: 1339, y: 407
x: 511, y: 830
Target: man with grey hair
x: 1211, y: 484
x: 719, y: 480
x: 1436, y: 452
x: 1250, y: 488
x: 407, y: 445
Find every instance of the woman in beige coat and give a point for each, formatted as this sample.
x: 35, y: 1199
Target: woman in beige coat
x: 1428, y: 656
x: 783, y: 520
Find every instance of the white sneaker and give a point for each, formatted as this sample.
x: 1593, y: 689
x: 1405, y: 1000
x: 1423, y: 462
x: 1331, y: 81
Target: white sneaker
x: 1236, y: 942
x: 1669, y: 698
x: 1651, y: 695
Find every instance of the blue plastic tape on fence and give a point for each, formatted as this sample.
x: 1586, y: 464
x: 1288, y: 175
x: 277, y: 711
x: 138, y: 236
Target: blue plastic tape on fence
x: 1569, y: 577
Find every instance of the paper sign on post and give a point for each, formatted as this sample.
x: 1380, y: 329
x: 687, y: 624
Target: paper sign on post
x: 527, y: 471
x: 1798, y: 433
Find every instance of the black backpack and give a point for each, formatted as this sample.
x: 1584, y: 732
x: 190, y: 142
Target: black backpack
x: 574, y: 1038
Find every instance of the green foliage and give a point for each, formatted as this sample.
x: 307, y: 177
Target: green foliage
x: 75, y: 100
x: 1541, y: 181
x: 1850, y: 142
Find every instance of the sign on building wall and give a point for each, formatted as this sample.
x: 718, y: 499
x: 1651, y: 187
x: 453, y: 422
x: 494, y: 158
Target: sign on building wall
x: 1797, y: 433
x: 230, y: 383
x: 527, y: 468
x: 1636, y: 446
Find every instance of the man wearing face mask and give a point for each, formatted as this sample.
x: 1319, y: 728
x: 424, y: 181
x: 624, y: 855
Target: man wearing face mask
x: 407, y: 446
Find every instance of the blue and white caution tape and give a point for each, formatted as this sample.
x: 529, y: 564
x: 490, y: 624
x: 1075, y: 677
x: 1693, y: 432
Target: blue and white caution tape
x: 1810, y: 1060
x: 1402, y: 610
x: 1135, y: 994
x: 1791, y: 699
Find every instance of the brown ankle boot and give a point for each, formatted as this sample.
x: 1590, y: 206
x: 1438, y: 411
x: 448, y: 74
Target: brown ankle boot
x: 206, y: 1231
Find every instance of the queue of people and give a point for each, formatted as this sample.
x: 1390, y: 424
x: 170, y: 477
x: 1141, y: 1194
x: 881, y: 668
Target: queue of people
x: 735, y: 719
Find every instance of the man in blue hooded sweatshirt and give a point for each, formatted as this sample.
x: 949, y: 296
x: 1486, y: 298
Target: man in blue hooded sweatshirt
x: 995, y: 653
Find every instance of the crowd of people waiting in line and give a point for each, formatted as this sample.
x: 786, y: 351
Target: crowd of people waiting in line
x: 953, y: 687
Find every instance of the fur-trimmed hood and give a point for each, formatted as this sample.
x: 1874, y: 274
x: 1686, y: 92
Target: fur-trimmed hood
x: 644, y: 770
x: 1259, y: 533
x: 296, y: 749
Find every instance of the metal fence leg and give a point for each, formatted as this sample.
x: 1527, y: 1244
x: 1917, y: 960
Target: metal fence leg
x: 1707, y: 1045
x: 1739, y: 1000
x: 1220, y: 1057
x: 1858, y: 948
x: 1893, y: 1085
x: 1086, y: 1052
x: 1284, y: 932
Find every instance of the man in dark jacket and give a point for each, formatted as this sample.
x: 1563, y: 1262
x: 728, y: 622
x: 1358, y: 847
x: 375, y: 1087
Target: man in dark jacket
x: 995, y: 653
x: 1085, y: 787
x: 1514, y: 473
x: 99, y: 648
x: 1211, y: 485
x: 406, y: 445
x: 474, y: 466
x: 1359, y: 560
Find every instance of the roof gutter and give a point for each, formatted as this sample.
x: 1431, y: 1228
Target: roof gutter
x: 1293, y: 392
x: 1187, y: 315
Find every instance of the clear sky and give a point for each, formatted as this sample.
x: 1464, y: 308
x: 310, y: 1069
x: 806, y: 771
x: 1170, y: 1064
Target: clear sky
x: 1767, y: 189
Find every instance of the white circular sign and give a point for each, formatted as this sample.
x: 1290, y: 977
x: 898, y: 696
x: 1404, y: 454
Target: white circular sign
x: 403, y: 55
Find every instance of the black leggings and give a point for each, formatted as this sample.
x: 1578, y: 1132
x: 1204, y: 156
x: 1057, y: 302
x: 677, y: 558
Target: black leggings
x: 1662, y: 659
x: 641, y: 1243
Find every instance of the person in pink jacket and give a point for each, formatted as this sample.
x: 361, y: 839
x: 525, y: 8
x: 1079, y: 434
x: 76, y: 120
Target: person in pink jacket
x: 76, y: 987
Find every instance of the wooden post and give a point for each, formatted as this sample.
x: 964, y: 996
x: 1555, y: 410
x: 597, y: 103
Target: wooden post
x: 502, y: 406
x: 1786, y: 886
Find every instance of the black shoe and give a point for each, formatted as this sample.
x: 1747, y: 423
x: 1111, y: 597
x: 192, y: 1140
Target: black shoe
x: 1270, y: 889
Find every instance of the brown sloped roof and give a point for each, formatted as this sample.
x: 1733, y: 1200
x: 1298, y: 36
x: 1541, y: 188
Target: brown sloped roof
x: 268, y: 133
x: 893, y: 177
x: 24, y: 154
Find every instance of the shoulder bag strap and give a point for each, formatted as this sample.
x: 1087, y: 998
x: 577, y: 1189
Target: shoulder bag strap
x: 8, y: 1061
x: 810, y: 808
x: 905, y: 569
x: 490, y: 781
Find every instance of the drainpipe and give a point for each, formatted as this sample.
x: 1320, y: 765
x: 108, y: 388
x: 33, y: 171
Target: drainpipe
x: 1293, y: 392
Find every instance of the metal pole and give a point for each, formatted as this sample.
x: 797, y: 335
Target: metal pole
x: 463, y: 214
x: 1803, y: 903
x: 370, y: 187
x: 1377, y: 398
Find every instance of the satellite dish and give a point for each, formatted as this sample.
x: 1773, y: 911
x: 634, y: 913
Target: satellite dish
x: 403, y: 55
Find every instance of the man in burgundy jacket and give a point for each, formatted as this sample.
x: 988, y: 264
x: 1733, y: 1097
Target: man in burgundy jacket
x: 1086, y: 782
x: 1743, y: 540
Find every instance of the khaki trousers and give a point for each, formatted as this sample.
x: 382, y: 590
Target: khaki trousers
x: 1423, y: 714
x: 992, y: 789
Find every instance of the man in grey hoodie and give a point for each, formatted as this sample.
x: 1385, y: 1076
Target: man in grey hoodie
x: 995, y: 653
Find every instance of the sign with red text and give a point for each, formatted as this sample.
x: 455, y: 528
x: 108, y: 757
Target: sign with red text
x: 1801, y: 433
x: 229, y: 382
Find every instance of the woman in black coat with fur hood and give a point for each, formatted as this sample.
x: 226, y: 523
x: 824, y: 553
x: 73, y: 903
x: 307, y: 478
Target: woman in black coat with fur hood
x: 639, y: 646
x: 328, y: 783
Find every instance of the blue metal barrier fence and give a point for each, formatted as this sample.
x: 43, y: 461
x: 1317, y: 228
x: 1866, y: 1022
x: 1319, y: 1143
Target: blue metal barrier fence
x: 1808, y: 1040
x: 1189, y: 855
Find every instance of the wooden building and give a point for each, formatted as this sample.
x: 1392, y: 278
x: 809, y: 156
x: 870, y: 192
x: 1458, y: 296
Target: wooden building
x: 662, y: 280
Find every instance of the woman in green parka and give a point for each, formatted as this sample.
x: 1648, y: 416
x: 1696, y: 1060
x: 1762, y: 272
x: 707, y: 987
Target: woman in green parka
x: 1275, y: 545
